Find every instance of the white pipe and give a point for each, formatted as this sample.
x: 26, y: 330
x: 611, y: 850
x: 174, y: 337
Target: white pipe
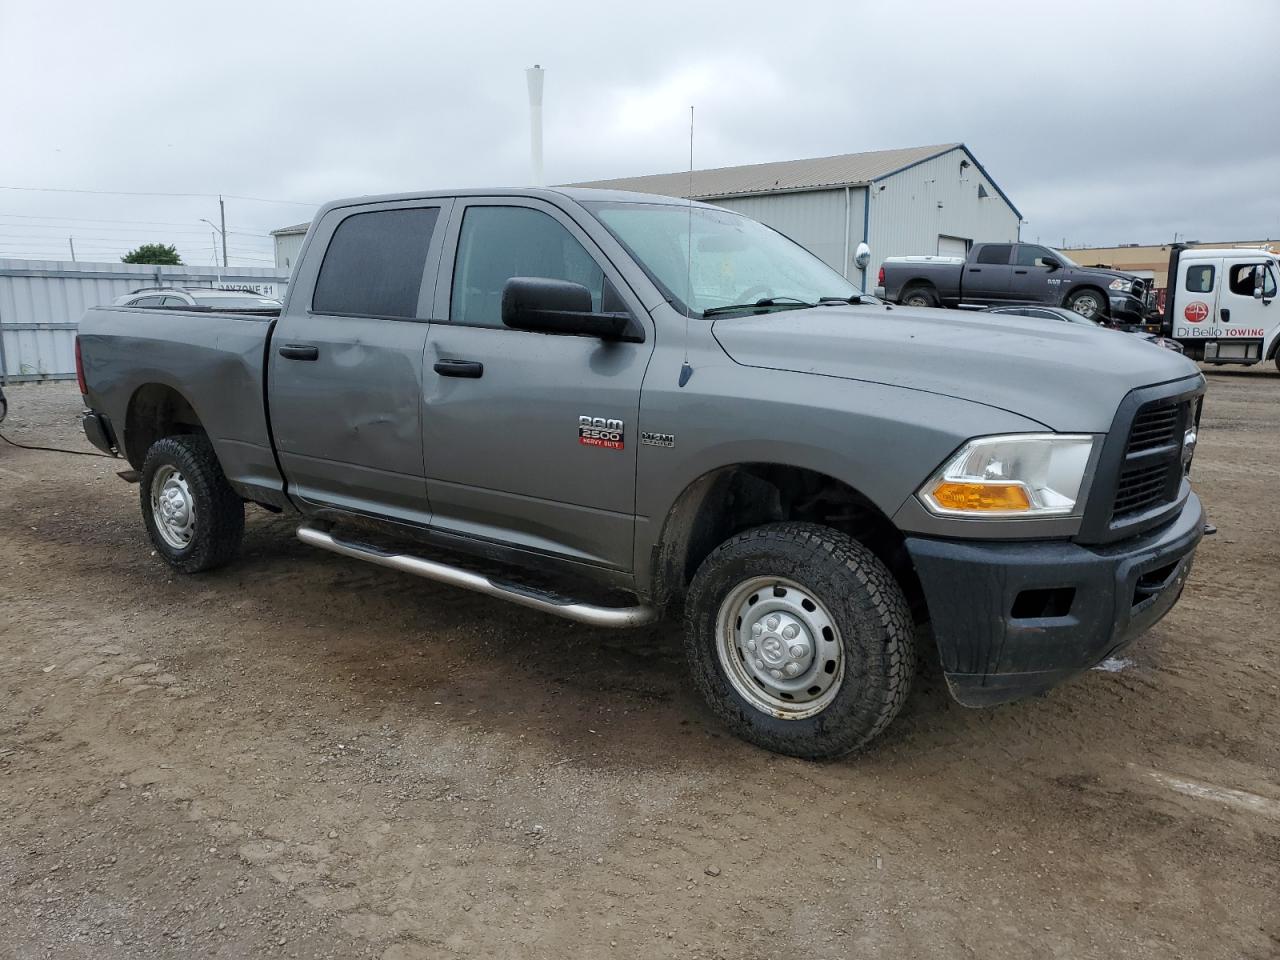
x: 534, y: 77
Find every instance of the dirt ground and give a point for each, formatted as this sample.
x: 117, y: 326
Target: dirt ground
x: 304, y: 756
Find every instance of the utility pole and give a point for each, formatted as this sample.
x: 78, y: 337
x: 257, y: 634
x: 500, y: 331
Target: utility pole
x: 72, y: 242
x: 222, y: 216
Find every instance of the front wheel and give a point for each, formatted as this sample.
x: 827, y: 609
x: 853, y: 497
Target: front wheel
x: 194, y: 518
x: 799, y: 639
x: 1090, y: 304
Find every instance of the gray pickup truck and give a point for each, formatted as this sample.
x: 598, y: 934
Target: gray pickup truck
x: 624, y: 409
x: 1001, y: 273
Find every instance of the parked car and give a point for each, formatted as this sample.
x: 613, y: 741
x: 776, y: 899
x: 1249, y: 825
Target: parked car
x: 582, y: 394
x: 197, y: 297
x: 1062, y: 314
x: 1219, y: 304
x: 1004, y: 273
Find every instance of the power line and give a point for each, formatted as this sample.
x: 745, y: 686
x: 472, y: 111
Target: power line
x: 144, y: 193
x: 160, y: 223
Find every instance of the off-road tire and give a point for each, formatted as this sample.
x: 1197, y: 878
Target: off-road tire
x: 864, y: 600
x: 922, y: 292
x: 1103, y: 306
x: 219, y: 511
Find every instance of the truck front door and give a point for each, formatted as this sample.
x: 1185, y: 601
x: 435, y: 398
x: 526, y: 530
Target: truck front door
x: 1246, y: 321
x: 508, y: 457
x: 1032, y: 279
x: 988, y: 275
x: 345, y: 371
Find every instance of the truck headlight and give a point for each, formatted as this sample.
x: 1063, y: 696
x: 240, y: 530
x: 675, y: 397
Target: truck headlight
x: 1122, y: 285
x: 1018, y: 475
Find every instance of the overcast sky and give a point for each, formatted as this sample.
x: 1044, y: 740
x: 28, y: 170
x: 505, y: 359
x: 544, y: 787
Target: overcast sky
x: 1105, y: 122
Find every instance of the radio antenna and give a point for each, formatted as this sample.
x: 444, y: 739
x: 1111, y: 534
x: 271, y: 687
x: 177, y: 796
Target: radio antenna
x: 686, y: 371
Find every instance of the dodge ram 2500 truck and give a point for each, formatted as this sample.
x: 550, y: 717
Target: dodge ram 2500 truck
x: 623, y: 409
x: 999, y: 273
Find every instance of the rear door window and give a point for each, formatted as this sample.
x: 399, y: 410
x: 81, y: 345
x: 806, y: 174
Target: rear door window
x: 995, y: 253
x: 146, y: 302
x: 1200, y: 278
x: 498, y: 243
x: 374, y: 264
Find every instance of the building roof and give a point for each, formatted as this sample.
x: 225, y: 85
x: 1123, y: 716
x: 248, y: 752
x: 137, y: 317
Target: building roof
x: 845, y: 170
x: 296, y: 228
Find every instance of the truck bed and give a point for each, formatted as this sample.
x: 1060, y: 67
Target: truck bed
x: 213, y: 357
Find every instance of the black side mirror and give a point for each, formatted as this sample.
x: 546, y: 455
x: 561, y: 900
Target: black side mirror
x: 542, y: 305
x: 1053, y: 263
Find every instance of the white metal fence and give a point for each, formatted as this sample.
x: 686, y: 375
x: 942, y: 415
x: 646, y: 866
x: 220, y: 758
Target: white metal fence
x: 41, y: 302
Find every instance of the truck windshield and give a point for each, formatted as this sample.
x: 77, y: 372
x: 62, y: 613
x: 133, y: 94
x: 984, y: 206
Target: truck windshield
x: 734, y: 260
x: 1066, y: 261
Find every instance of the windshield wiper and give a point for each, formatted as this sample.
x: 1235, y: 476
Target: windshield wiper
x: 855, y: 299
x: 793, y: 303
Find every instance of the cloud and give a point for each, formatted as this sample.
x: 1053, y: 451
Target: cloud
x: 1104, y: 122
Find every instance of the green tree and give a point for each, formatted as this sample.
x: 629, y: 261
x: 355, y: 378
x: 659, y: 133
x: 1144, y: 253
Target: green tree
x: 161, y: 253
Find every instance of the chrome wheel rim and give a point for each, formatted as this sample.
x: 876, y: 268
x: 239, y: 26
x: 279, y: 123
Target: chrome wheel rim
x: 1086, y: 306
x: 172, y: 507
x: 779, y: 647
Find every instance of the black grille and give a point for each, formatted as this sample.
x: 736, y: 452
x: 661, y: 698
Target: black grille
x: 1152, y: 467
x: 1155, y: 428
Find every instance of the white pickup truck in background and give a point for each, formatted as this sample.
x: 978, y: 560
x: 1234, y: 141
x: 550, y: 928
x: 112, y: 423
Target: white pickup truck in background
x: 1219, y: 304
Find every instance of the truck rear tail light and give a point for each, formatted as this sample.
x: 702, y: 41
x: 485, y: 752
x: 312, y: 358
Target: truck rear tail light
x: 880, y: 276
x: 80, y: 369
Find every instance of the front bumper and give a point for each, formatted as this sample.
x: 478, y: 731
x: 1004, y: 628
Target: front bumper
x: 1014, y: 619
x: 1127, y: 307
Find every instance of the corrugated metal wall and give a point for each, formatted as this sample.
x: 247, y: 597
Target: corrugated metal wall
x: 41, y: 302
x: 288, y: 246
x: 815, y: 219
x: 910, y: 210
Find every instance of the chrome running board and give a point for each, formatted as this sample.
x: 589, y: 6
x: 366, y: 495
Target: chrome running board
x: 636, y: 616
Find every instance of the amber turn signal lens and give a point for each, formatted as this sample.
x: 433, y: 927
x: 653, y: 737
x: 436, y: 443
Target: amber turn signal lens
x: 979, y: 497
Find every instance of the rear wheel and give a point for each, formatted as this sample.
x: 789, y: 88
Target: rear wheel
x: 194, y: 518
x: 799, y: 639
x: 1090, y: 304
x: 920, y: 296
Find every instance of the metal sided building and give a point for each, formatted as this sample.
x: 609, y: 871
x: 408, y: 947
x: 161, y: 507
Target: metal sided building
x: 41, y: 302
x: 288, y: 242
x: 918, y: 200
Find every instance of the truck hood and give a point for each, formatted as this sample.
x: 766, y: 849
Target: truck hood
x: 1101, y: 272
x: 1067, y: 376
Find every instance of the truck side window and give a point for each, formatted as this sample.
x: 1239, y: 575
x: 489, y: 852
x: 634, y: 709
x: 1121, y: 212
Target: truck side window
x: 498, y: 243
x: 374, y: 264
x: 1200, y: 278
x: 1242, y: 277
x: 995, y: 253
x: 1029, y: 256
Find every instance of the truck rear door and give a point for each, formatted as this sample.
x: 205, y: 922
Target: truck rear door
x: 345, y: 369
x: 507, y: 457
x: 1195, y: 293
x: 988, y: 275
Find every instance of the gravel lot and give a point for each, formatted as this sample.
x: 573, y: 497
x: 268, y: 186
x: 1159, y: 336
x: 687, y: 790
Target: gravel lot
x: 304, y: 756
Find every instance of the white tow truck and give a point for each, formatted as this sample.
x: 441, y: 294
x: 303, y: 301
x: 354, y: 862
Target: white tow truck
x: 1219, y: 304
